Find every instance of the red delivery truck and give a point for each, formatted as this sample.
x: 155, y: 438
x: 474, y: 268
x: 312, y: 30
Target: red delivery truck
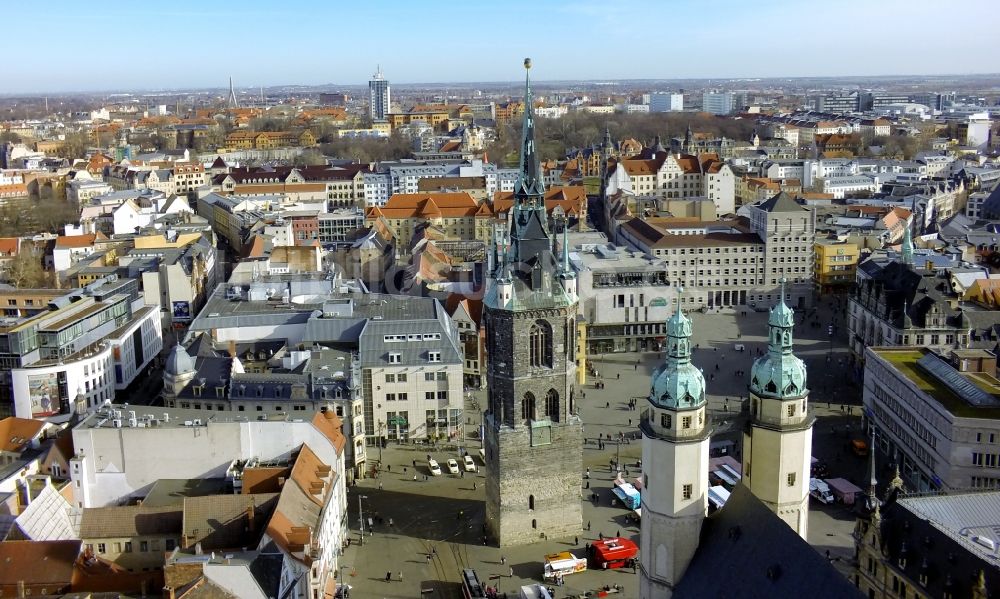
x: 615, y: 552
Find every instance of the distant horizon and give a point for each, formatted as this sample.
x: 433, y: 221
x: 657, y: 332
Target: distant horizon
x: 259, y: 43
x: 513, y: 82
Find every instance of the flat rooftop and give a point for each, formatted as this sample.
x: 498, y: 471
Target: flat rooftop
x: 176, y: 417
x: 907, y: 363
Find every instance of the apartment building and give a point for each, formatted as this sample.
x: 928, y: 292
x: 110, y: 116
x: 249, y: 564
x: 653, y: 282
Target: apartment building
x: 408, y: 347
x: 457, y: 215
x: 404, y: 176
x: 661, y: 174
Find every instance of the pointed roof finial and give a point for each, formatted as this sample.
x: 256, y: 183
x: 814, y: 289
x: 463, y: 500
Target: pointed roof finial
x: 529, y: 184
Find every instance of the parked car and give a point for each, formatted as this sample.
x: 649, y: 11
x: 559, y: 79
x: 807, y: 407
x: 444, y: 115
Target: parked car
x: 470, y: 465
x: 452, y: 466
x: 434, y: 467
x: 820, y: 491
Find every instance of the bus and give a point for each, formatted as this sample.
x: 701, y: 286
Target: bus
x: 562, y: 563
x: 471, y: 587
x: 627, y: 494
x: 616, y: 552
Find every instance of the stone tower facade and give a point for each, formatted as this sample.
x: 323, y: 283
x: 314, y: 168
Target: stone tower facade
x: 533, y: 435
x: 675, y: 443
x: 777, y: 440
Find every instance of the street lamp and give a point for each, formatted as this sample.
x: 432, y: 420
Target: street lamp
x: 381, y: 429
x: 361, y: 518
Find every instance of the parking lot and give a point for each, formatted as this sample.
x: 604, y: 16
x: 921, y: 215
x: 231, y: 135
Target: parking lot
x: 442, y: 516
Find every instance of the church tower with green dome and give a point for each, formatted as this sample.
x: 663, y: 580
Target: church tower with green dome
x: 777, y: 440
x: 675, y: 442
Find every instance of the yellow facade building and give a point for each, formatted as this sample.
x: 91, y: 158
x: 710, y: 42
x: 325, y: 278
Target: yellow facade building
x: 836, y: 265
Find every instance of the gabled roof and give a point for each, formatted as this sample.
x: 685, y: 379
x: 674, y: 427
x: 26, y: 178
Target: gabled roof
x: 730, y: 562
x: 130, y: 521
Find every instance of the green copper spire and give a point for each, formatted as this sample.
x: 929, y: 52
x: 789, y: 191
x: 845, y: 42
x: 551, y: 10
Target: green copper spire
x: 677, y: 383
x: 779, y: 373
x: 529, y: 186
x: 907, y: 248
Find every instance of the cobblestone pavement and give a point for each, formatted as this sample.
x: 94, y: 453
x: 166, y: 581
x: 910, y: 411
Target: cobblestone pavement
x: 443, y: 516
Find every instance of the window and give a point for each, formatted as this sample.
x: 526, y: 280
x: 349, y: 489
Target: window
x: 395, y: 358
x: 102, y: 548
x: 666, y: 421
x: 154, y: 545
x: 429, y: 395
x: 528, y: 406
x: 442, y: 376
x: 428, y: 376
x: 552, y: 405
x: 791, y: 409
x: 390, y: 378
x: 143, y: 546
x: 434, y: 356
x: 686, y: 491
x: 686, y: 422
x: 402, y: 396
x: 390, y: 397
x: 169, y: 544
x: 540, y: 344
x: 401, y: 377
x: 791, y: 479
x: 128, y: 546
x: 442, y: 395
x: 531, y: 502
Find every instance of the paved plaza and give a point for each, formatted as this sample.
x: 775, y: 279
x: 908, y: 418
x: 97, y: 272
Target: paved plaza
x: 428, y: 530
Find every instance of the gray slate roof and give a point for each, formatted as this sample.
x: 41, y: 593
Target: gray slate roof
x: 747, y: 551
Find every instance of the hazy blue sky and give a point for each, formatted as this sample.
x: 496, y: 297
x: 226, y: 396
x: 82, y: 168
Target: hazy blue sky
x: 61, y: 45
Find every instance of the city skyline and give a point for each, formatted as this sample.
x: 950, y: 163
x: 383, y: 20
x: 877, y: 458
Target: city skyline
x: 769, y: 40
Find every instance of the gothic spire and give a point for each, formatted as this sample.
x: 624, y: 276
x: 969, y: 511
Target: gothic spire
x: 565, y: 248
x: 529, y: 187
x: 907, y: 246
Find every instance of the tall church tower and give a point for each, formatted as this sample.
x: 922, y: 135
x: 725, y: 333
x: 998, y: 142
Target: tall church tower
x: 675, y: 442
x: 533, y: 437
x: 777, y: 440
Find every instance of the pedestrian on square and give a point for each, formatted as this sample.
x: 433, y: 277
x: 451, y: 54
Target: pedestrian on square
x: 388, y: 576
x: 588, y: 525
x: 503, y: 561
x: 637, y: 366
x: 511, y: 572
x: 576, y: 540
x: 619, y: 376
x: 630, y: 422
x: 404, y: 469
x: 388, y: 467
x: 400, y: 576
x: 428, y: 558
x: 379, y: 485
x: 607, y: 404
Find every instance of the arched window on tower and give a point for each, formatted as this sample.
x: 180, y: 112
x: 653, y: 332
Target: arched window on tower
x: 540, y: 344
x: 528, y: 406
x: 552, y: 405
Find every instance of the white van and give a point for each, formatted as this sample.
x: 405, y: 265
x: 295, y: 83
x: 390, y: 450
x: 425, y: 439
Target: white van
x: 820, y: 490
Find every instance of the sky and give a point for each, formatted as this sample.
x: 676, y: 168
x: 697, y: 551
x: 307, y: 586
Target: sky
x: 182, y: 44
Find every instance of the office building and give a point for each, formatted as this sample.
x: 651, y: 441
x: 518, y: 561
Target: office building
x: 666, y: 102
x: 378, y: 97
x: 719, y: 103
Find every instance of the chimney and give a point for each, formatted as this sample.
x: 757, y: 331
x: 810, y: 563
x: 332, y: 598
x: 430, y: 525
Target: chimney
x: 168, y: 592
x: 232, y: 348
